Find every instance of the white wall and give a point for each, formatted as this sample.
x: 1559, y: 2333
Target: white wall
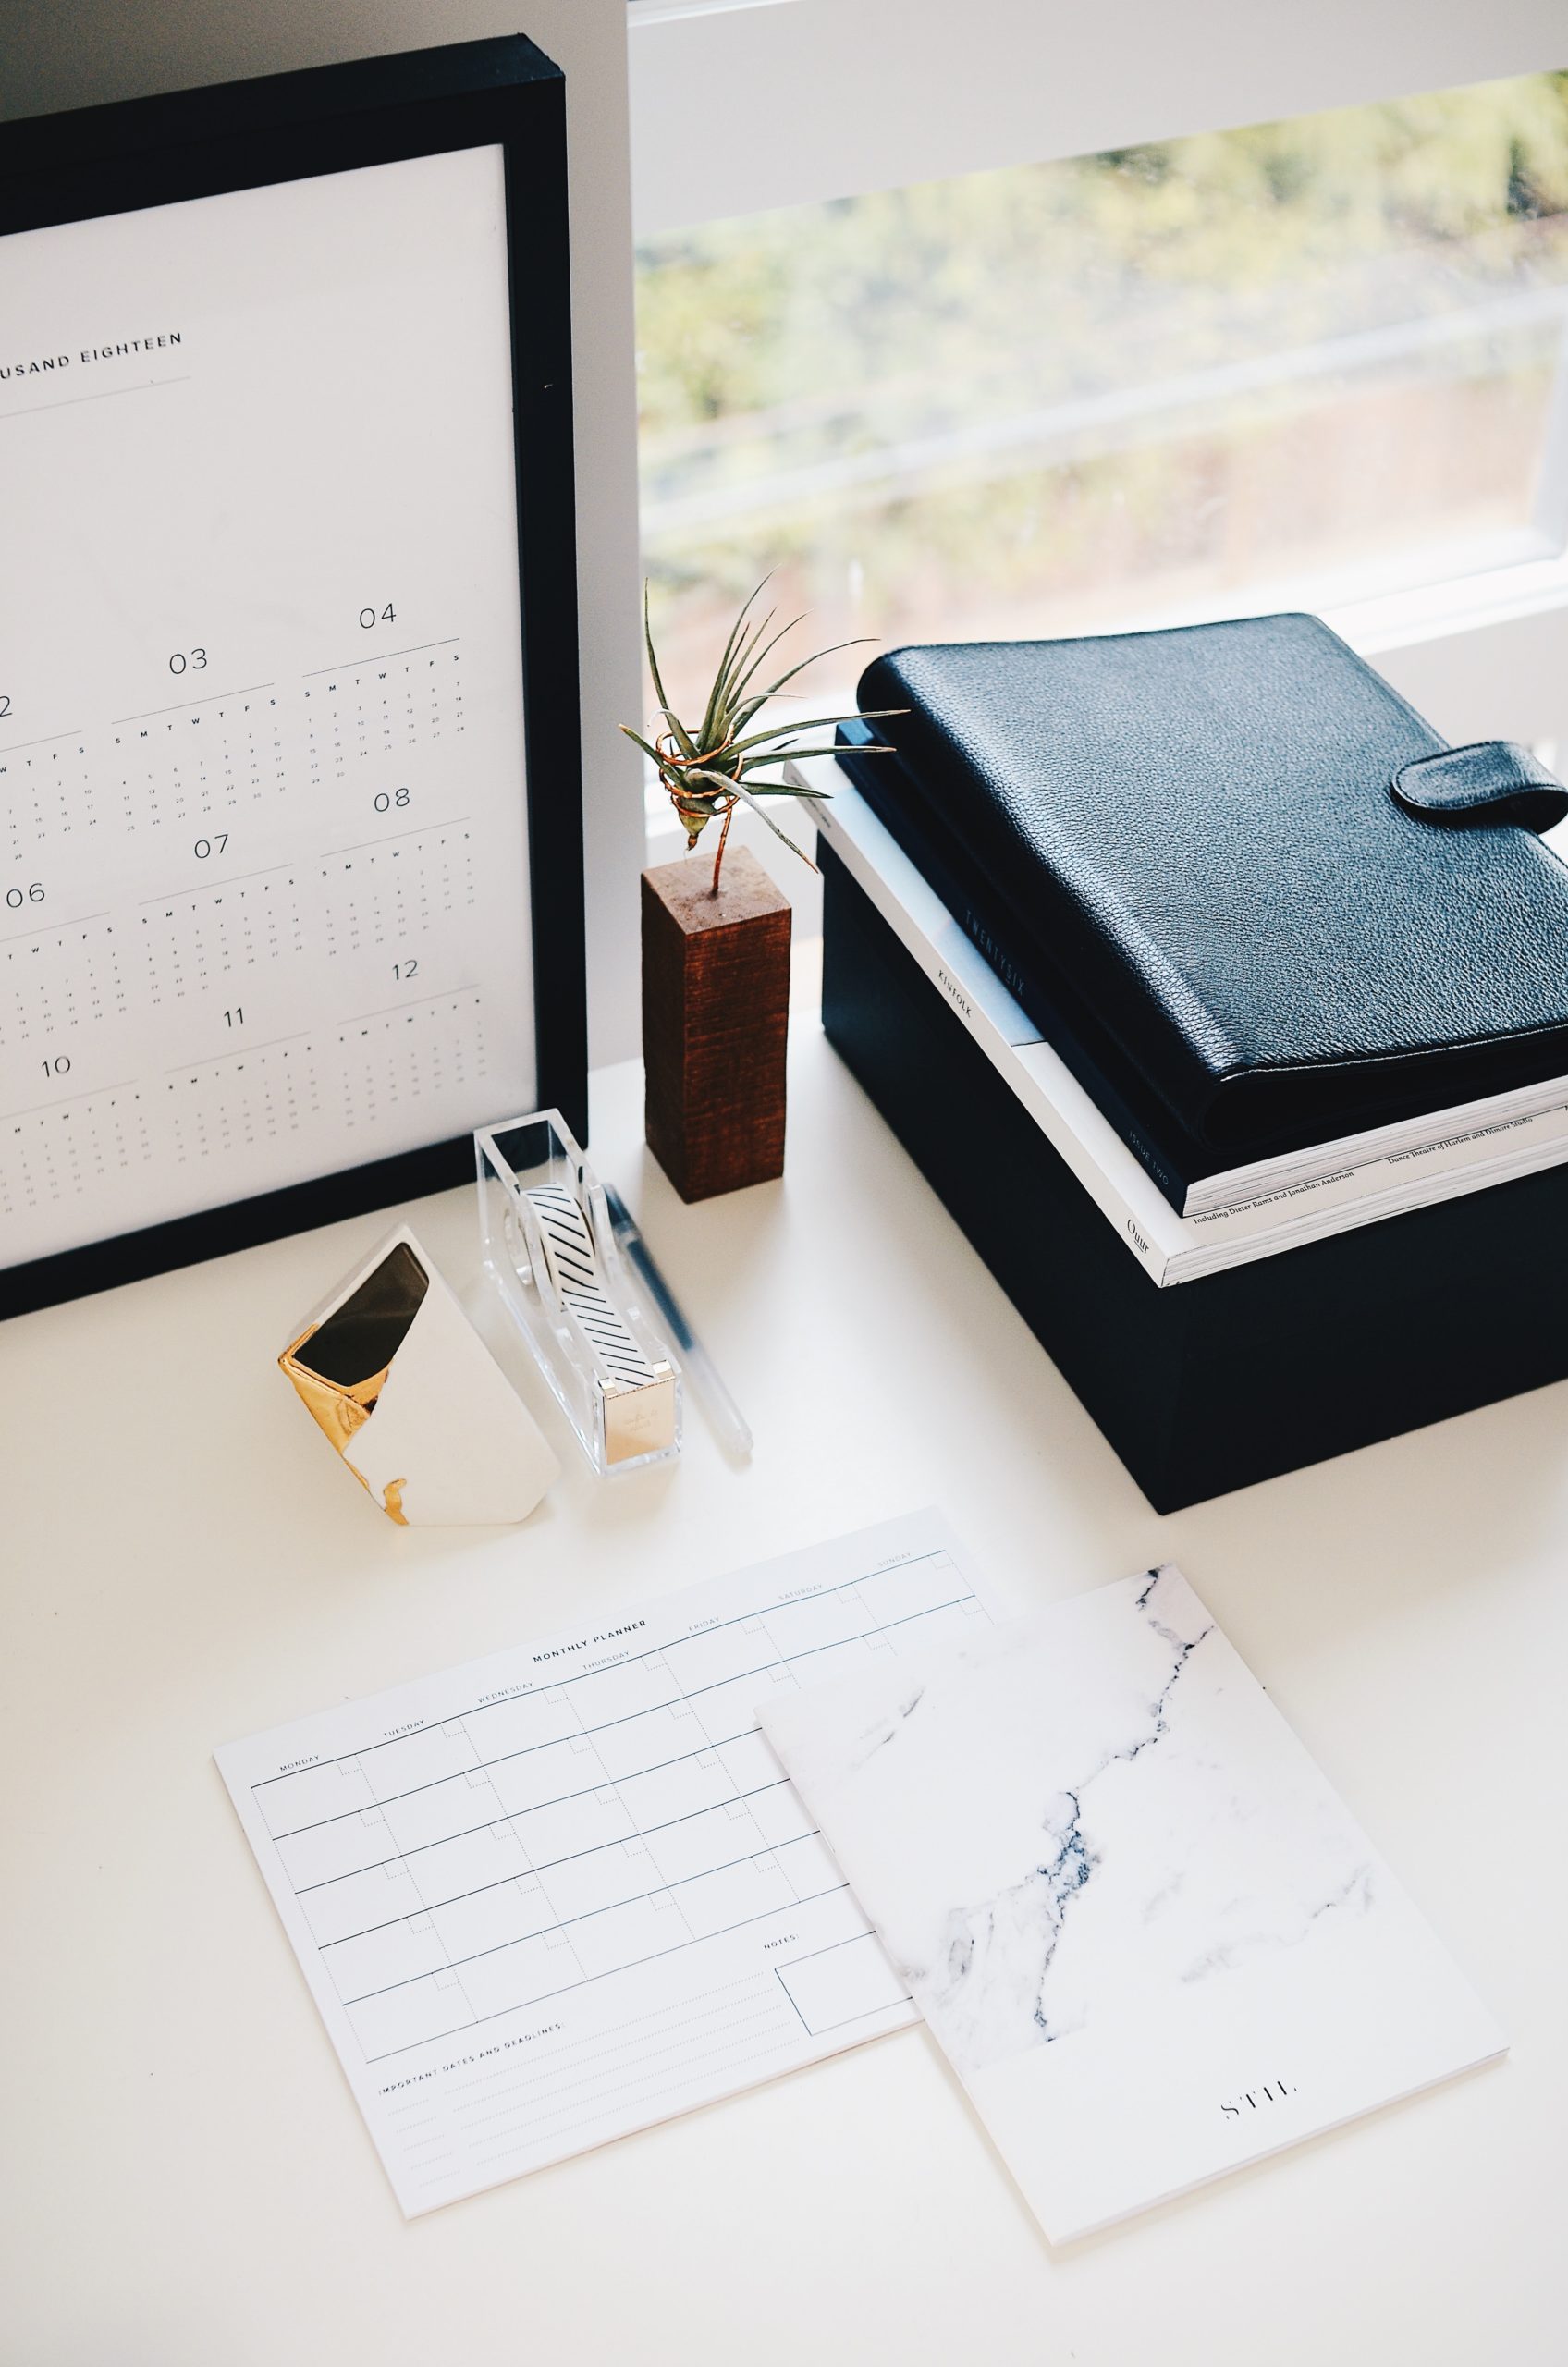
x: 75, y: 53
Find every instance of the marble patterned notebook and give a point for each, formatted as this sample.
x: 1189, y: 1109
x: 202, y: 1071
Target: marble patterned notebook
x: 1151, y: 1939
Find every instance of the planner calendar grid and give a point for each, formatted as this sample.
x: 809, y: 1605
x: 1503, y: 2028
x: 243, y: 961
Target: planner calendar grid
x: 534, y: 1921
x: 388, y: 907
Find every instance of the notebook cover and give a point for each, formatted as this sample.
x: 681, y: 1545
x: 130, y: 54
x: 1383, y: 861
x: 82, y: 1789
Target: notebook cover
x: 1174, y: 1159
x: 1150, y: 1938
x: 1197, y: 829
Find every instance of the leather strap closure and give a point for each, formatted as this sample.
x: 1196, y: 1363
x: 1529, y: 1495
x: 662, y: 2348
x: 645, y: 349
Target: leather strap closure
x: 1491, y: 780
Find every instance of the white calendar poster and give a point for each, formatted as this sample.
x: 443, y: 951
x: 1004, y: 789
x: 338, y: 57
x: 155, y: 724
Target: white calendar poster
x: 263, y: 886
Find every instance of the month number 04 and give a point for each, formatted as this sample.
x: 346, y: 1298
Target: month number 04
x: 370, y: 617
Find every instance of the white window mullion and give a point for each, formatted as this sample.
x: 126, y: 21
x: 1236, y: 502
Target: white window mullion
x: 741, y: 105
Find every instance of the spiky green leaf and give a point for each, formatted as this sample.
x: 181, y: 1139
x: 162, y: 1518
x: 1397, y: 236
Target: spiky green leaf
x: 832, y: 650
x: 769, y: 823
x: 642, y: 743
x: 804, y: 723
x: 761, y: 653
x: 659, y: 691
x: 683, y: 739
x: 715, y: 695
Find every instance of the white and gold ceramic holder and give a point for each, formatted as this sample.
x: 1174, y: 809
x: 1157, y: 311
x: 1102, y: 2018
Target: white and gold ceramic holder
x: 394, y: 1372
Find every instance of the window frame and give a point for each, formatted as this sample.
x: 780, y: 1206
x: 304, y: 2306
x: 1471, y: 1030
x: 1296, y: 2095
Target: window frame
x: 880, y: 93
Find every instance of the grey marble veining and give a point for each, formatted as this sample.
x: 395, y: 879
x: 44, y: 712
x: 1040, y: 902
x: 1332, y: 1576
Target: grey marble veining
x: 1088, y: 1840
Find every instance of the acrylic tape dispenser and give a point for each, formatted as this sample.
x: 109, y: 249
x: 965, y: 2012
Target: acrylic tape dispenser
x: 550, y: 1248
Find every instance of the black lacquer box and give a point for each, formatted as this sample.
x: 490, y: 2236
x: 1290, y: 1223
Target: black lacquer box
x: 1233, y: 1377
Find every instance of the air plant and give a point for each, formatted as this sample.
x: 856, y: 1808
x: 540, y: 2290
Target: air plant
x: 710, y: 768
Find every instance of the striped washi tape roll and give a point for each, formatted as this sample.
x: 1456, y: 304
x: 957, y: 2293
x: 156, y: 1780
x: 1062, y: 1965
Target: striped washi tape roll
x: 574, y: 1269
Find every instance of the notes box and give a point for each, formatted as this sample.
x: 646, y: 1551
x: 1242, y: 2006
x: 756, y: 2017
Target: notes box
x: 1237, y: 1376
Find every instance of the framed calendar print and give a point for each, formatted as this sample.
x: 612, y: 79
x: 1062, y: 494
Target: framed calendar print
x: 291, y: 803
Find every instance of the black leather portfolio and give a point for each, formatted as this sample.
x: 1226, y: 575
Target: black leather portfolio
x: 1250, y: 894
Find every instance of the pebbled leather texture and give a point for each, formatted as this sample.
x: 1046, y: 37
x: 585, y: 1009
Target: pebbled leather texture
x: 1197, y: 827
x: 1491, y: 780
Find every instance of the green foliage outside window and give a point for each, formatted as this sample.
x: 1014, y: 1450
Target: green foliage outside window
x: 1060, y: 392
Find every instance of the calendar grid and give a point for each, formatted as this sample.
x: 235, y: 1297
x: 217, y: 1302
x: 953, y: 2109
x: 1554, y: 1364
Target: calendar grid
x: 230, y: 967
x: 37, y: 936
x: 384, y: 658
x: 181, y: 706
x: 561, y: 1893
x: 90, y: 1093
x: 739, y: 1620
x: 552, y: 1839
x: 49, y: 739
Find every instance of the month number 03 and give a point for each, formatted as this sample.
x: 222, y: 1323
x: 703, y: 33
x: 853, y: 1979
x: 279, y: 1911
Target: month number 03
x: 188, y: 660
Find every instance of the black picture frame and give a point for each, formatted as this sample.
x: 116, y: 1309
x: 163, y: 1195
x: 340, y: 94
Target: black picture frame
x: 142, y: 153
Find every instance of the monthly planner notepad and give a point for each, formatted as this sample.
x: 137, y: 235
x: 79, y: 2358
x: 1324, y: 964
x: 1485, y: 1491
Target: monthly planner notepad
x: 562, y: 1893
x: 264, y: 870
x: 1152, y: 1941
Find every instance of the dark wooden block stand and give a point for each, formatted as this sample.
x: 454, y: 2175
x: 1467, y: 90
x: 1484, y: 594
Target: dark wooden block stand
x: 716, y: 1010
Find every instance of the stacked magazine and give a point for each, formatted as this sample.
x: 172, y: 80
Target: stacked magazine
x: 1225, y: 1219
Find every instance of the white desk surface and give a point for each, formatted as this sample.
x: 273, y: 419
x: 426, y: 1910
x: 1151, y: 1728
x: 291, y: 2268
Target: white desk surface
x: 186, y: 2181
